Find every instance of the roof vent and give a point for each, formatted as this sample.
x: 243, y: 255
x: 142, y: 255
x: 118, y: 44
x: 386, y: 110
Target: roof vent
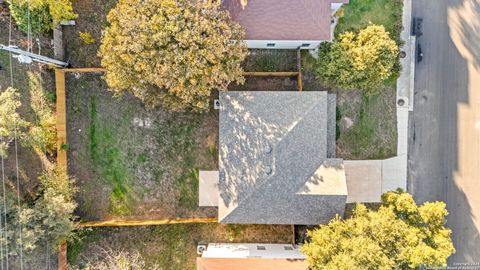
x: 268, y: 170
x: 201, y: 247
x: 268, y: 149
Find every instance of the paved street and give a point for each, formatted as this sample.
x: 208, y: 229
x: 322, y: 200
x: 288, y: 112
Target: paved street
x: 444, y: 154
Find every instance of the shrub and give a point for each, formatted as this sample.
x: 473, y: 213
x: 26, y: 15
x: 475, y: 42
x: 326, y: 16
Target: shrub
x: 86, y: 38
x: 49, y: 218
x: 11, y: 123
x: 40, y: 19
x: 42, y: 135
x: 44, y: 14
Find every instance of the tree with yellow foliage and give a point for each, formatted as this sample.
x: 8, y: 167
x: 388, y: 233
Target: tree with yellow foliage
x: 43, y: 15
x: 11, y: 123
x: 358, y: 61
x: 171, y: 52
x: 400, y: 235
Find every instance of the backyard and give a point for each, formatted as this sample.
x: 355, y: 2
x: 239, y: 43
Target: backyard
x: 171, y: 246
x: 130, y: 160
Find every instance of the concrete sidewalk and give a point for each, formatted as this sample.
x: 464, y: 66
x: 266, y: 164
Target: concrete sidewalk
x: 368, y: 179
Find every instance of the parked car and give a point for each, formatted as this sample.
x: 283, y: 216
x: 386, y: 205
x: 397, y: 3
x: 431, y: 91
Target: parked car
x: 417, y: 27
x: 419, y: 53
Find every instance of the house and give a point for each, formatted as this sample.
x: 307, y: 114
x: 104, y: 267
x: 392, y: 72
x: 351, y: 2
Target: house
x: 221, y: 256
x: 276, y: 160
x: 284, y: 24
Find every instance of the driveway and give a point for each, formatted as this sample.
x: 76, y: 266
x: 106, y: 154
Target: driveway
x: 444, y: 154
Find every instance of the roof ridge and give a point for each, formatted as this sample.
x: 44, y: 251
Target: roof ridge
x: 274, y: 149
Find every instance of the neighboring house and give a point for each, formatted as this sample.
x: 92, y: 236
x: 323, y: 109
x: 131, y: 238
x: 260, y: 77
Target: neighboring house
x: 276, y: 161
x: 221, y: 256
x: 284, y: 24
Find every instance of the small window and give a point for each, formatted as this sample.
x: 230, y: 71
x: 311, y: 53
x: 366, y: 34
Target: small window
x: 261, y: 248
x: 270, y: 44
x: 305, y: 44
x: 288, y: 247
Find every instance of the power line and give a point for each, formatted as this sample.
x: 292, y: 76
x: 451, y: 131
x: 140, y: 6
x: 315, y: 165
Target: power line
x: 5, y: 212
x: 1, y: 227
x: 18, y: 193
x: 28, y: 26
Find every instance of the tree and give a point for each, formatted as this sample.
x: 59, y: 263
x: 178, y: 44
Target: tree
x: 42, y: 15
x: 11, y: 124
x: 50, y: 219
x: 358, y: 61
x: 47, y: 220
x: 400, y: 235
x: 172, y: 52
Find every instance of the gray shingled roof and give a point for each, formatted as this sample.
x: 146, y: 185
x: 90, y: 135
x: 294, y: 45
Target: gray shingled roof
x: 274, y: 165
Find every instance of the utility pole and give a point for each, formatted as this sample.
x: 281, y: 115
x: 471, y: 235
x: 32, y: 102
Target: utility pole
x: 25, y: 57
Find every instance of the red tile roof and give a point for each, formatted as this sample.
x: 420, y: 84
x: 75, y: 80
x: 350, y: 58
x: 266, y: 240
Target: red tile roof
x: 283, y: 19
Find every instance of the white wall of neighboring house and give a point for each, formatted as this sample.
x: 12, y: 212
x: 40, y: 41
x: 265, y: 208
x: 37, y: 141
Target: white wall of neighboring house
x: 232, y: 250
x: 283, y: 44
x: 335, y: 7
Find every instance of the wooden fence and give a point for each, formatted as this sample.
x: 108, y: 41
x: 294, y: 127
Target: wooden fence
x: 139, y: 222
x: 62, y: 148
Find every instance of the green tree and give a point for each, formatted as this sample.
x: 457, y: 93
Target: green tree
x: 42, y: 135
x: 172, y: 52
x: 40, y: 18
x: 11, y: 123
x: 45, y: 221
x: 50, y: 219
x: 42, y: 14
x: 400, y: 235
x: 358, y: 61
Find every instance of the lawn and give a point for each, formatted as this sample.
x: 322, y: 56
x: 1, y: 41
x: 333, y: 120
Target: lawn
x: 130, y: 160
x: 359, y: 13
x: 171, y: 246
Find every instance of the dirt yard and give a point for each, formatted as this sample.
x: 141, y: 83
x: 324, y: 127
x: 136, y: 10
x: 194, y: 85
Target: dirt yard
x: 171, y: 246
x: 129, y: 160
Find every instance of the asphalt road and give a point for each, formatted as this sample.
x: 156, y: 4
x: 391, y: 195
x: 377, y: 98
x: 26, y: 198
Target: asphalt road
x: 444, y: 154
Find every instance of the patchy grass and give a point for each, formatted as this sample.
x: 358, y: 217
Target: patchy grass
x: 359, y: 13
x: 271, y: 60
x: 373, y: 130
x: 174, y: 246
x: 134, y: 161
x: 373, y: 134
x: 107, y: 158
